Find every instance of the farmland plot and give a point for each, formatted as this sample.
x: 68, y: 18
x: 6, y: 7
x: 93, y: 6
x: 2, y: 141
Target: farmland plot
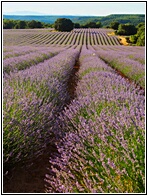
x: 94, y: 117
x: 77, y: 36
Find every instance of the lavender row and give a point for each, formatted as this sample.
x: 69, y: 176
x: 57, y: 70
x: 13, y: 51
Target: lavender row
x: 79, y: 36
x: 140, y: 57
x: 102, y: 135
x: 15, y: 51
x: 14, y: 64
x: 32, y: 99
x: 129, y: 67
x: 136, y: 53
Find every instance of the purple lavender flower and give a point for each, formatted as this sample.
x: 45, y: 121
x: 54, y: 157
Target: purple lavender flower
x: 100, y: 147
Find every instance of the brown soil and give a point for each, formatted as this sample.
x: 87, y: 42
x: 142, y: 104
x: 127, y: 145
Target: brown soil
x: 28, y: 178
x: 73, y: 79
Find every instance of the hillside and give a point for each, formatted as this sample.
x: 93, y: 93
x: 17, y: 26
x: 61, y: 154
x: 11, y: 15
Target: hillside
x: 105, y: 20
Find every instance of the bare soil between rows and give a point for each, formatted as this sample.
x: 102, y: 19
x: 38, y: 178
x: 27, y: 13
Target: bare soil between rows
x: 28, y: 178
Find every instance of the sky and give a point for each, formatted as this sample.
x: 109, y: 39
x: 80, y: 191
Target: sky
x: 74, y: 8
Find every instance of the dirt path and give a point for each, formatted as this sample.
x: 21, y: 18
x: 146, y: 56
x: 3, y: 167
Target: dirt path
x: 28, y: 178
x: 122, y: 39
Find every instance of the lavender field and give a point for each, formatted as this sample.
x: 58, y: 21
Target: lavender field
x: 77, y: 98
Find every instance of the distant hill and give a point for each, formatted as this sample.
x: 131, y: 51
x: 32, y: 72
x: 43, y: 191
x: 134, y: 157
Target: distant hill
x: 23, y: 13
x: 105, y: 20
x: 123, y: 18
x: 42, y: 18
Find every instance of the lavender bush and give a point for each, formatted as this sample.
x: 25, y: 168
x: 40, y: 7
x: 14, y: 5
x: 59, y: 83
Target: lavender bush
x: 17, y: 51
x: 25, y: 61
x: 136, y: 53
x: 129, y: 67
x: 102, y: 148
x: 32, y: 100
x: 140, y: 57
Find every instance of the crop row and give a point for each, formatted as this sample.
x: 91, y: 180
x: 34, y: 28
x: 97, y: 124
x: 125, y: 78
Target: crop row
x: 32, y: 98
x: 132, y: 52
x: 19, y: 58
x: 15, y: 51
x: 128, y: 63
x: 102, y: 134
x: 78, y: 37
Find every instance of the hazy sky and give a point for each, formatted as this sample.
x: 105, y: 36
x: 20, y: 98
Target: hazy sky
x: 76, y: 8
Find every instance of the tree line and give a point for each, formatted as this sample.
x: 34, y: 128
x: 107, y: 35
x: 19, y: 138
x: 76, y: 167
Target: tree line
x: 22, y: 24
x: 135, y: 34
x: 59, y: 24
x: 64, y: 24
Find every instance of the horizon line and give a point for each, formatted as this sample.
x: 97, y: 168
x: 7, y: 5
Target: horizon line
x: 69, y: 14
